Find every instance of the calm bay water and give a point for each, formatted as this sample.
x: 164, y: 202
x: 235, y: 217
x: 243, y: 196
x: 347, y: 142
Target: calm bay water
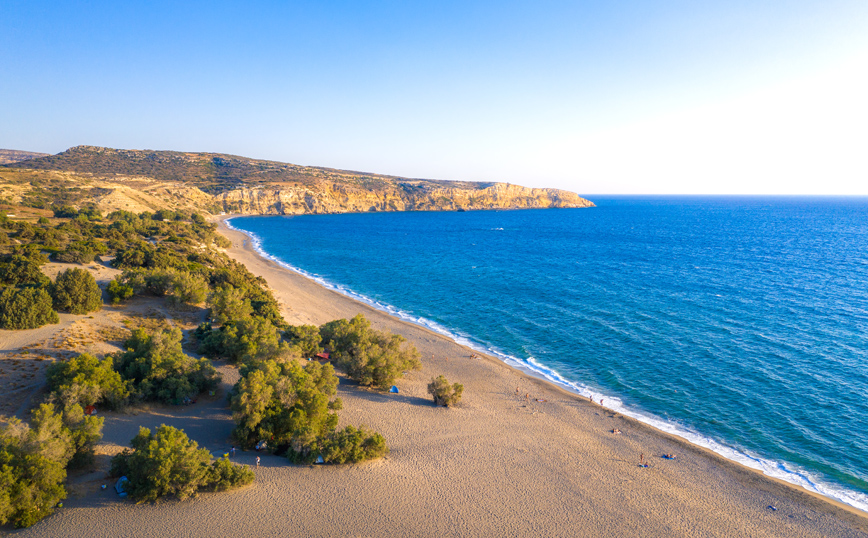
x: 738, y: 323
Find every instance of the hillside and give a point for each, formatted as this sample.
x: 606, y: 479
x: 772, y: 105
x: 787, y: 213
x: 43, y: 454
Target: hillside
x: 8, y: 156
x: 148, y: 180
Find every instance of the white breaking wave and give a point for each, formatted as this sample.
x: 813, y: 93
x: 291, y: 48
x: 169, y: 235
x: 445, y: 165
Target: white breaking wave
x: 780, y: 470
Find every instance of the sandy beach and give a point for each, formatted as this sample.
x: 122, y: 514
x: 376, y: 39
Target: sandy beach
x: 518, y: 457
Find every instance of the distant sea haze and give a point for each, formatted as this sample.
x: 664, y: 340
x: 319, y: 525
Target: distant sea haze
x: 738, y: 323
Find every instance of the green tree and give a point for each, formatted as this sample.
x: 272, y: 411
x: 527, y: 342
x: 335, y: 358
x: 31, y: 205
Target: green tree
x: 252, y: 338
x: 186, y: 288
x: 166, y: 463
x: 159, y: 370
x: 76, y: 291
x: 306, y: 338
x: 228, y: 303
x: 445, y: 394
x: 18, y: 270
x: 85, y: 432
x: 369, y: 356
x: 26, y: 308
x: 33, y: 461
x: 285, y: 404
x: 85, y: 380
x: 31, y: 484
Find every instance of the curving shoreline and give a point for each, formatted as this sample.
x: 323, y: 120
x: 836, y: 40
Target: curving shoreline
x: 279, y: 277
x: 778, y: 469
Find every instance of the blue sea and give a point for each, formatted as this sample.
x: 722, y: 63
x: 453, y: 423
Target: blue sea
x: 738, y: 323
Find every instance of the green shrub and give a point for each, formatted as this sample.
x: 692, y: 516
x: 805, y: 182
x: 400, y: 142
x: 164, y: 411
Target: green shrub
x: 445, y: 394
x: 351, y: 445
x: 118, y: 291
x: 86, y: 380
x: 369, y: 356
x: 224, y: 475
x: 76, y: 291
x: 159, y: 370
x: 26, y: 308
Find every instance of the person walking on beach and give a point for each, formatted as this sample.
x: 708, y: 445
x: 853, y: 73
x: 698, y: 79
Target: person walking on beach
x: 257, y: 461
x: 233, y: 451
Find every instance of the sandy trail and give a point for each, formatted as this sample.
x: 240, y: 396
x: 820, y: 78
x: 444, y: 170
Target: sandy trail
x: 498, y: 465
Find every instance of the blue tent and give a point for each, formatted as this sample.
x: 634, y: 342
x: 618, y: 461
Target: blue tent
x: 393, y: 389
x: 119, y: 486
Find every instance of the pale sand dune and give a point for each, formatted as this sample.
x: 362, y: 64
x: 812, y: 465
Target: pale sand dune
x: 496, y: 466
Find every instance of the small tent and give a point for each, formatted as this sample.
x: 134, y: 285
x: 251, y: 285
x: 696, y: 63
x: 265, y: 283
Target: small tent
x: 394, y: 389
x: 319, y: 459
x: 120, y: 486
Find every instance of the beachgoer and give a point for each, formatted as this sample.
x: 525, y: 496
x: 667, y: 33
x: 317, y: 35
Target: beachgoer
x: 257, y: 461
x: 233, y: 451
x: 601, y: 401
x: 641, y: 459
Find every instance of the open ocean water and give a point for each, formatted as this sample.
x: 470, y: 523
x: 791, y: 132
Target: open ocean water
x: 739, y: 323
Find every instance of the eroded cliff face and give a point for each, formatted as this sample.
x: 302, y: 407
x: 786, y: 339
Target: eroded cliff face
x: 329, y: 197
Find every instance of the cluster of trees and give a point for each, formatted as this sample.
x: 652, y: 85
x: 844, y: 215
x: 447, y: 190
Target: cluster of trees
x: 156, y: 368
x: 28, y: 299
x: 153, y: 368
x: 290, y: 407
x: 371, y: 357
x: 168, y: 463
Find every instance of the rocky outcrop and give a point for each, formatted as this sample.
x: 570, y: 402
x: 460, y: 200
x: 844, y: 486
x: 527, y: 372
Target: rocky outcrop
x: 328, y: 197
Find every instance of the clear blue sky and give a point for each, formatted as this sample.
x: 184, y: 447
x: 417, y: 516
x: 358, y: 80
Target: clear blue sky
x: 601, y: 96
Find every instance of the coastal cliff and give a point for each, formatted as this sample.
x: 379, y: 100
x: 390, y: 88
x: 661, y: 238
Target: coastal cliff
x: 342, y: 198
x: 144, y: 180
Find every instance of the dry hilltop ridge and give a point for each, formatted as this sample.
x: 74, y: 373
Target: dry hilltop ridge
x: 144, y: 180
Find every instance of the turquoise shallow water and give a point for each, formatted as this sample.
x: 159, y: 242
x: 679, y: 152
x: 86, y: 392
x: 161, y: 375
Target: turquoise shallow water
x: 738, y: 323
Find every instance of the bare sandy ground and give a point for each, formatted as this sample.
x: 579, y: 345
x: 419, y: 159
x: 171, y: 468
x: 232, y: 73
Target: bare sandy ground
x: 498, y: 465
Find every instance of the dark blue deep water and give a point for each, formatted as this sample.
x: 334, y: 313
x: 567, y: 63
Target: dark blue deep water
x: 738, y: 323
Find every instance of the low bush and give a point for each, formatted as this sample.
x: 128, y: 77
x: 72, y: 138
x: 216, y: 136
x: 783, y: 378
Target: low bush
x: 445, y: 394
x: 26, y: 308
x: 76, y: 291
x: 350, y: 445
x: 224, y: 475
